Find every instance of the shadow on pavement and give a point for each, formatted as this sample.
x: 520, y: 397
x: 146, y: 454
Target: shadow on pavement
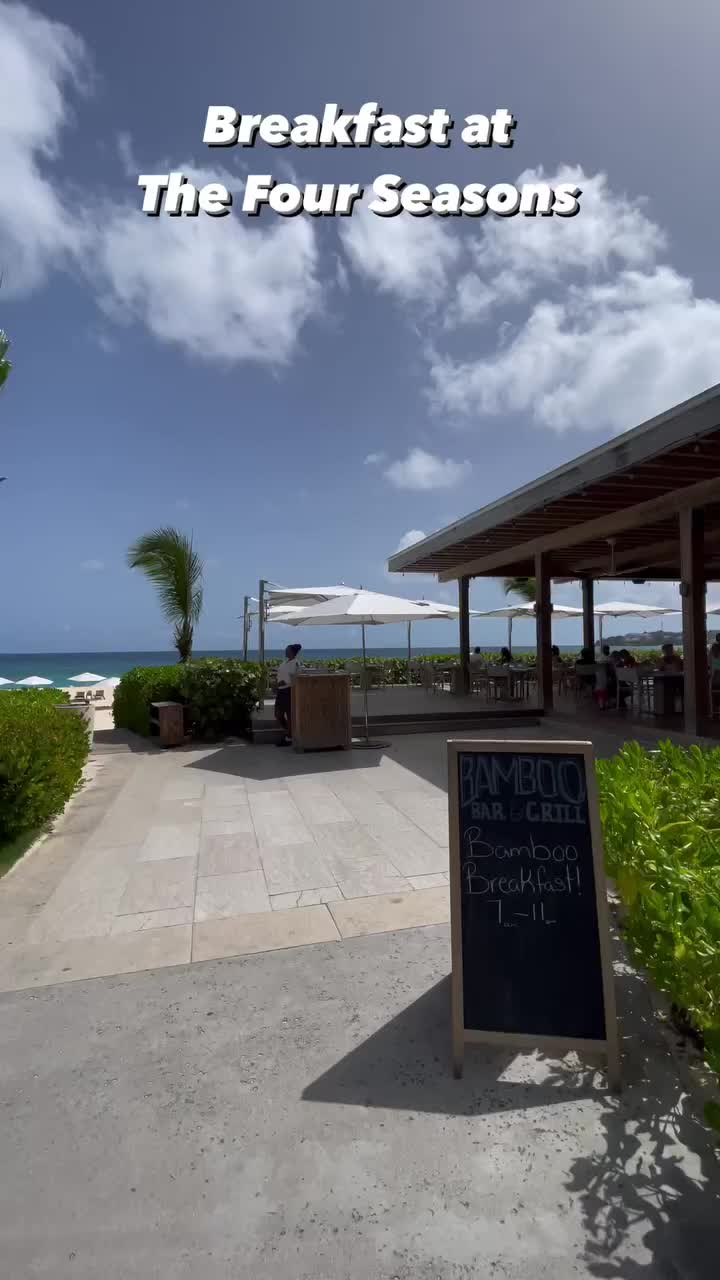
x: 652, y: 1182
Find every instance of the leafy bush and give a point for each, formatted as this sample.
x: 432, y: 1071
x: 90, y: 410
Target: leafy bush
x: 141, y: 686
x: 42, y: 755
x: 661, y: 822
x: 220, y: 694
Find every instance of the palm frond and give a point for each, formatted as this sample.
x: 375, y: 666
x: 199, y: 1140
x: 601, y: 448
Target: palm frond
x: 5, y: 365
x: 526, y: 588
x: 169, y: 560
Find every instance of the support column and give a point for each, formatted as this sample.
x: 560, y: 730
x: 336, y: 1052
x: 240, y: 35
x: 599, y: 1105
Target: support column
x: 543, y: 610
x: 693, y: 587
x: 261, y: 620
x: 588, y: 604
x: 464, y: 619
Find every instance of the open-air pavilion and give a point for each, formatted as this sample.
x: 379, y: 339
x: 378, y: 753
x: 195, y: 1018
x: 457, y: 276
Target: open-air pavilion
x: 645, y: 507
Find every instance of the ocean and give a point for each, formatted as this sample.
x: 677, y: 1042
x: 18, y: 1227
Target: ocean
x: 59, y: 667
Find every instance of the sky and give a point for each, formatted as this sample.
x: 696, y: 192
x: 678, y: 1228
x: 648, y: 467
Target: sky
x: 307, y: 395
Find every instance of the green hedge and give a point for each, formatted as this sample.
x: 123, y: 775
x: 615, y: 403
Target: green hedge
x: 42, y: 754
x: 661, y: 823
x: 138, y: 688
x: 220, y: 694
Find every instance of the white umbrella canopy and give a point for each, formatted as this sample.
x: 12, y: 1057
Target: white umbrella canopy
x: 4, y: 681
x: 304, y: 596
x: 626, y: 609
x: 34, y: 682
x: 365, y: 609
x: 511, y: 611
x: 86, y: 677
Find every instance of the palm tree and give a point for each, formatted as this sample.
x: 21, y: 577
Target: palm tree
x: 170, y: 561
x: 5, y: 365
x: 526, y: 588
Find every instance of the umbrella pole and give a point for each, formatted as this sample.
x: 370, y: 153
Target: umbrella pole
x: 510, y: 635
x: 409, y: 678
x: 365, y: 685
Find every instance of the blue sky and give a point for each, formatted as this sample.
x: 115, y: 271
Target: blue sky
x: 234, y: 376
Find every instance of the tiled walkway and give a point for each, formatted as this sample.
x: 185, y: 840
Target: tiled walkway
x: 171, y: 857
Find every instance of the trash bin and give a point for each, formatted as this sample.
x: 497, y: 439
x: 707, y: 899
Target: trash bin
x: 167, y: 721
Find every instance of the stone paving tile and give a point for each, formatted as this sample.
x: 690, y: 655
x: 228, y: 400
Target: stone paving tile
x: 429, y: 813
x: 242, y: 894
x: 186, y: 787
x: 413, y: 852
x: 289, y: 867
x: 305, y: 898
x: 277, y: 820
x: 320, y: 807
x: 160, y: 885
x: 168, y: 842
x: 178, y: 813
x: 233, y: 795
x: 234, y: 821
x: 87, y: 897
x: 268, y: 931
x: 222, y: 855
x: 152, y: 920
x: 430, y: 882
x: 45, y: 963
x: 374, y: 878
x: 396, y: 911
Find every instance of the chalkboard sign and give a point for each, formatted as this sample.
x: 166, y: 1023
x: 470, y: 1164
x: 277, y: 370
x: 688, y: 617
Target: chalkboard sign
x: 529, y: 916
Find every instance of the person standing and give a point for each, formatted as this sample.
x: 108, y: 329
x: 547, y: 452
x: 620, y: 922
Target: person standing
x: 286, y: 673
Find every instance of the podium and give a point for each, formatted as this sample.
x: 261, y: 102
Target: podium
x: 321, y: 715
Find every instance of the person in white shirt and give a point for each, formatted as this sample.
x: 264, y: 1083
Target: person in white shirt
x: 286, y: 672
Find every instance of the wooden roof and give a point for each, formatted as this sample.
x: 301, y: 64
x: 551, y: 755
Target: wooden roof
x: 610, y: 513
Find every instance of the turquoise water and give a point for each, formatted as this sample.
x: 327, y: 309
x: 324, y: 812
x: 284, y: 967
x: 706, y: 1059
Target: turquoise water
x: 59, y: 667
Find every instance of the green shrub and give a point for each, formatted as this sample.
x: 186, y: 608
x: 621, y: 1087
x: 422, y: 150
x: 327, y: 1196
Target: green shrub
x: 220, y: 694
x: 138, y: 688
x: 42, y: 755
x: 661, y: 823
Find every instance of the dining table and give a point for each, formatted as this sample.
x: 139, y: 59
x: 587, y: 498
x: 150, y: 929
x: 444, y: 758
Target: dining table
x: 667, y: 687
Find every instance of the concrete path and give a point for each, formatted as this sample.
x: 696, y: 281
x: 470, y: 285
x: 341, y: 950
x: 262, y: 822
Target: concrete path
x: 291, y: 1116
x: 167, y: 857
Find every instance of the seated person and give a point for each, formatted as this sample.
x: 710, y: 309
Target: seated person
x: 586, y: 659
x: 505, y: 656
x: 476, y: 658
x: 556, y: 658
x: 670, y: 660
x: 627, y: 658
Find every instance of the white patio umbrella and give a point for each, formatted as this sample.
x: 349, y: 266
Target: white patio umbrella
x: 626, y: 609
x: 511, y: 611
x: 306, y: 596
x: 86, y: 677
x: 363, y: 609
x: 34, y: 682
x: 4, y: 681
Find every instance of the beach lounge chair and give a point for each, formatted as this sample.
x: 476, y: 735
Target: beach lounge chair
x: 99, y: 695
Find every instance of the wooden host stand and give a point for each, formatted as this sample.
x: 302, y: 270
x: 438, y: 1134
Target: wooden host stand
x: 321, y: 716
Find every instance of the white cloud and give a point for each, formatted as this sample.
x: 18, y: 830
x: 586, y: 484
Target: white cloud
x: 222, y: 289
x: 616, y: 336
x: 40, y: 61
x: 409, y: 257
x: 374, y: 459
x: 409, y: 539
x: 92, y: 566
x: 421, y: 470
x: 216, y: 287
x: 608, y: 356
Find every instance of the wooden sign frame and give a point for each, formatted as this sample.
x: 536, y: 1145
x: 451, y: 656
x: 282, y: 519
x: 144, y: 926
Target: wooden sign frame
x: 461, y: 1035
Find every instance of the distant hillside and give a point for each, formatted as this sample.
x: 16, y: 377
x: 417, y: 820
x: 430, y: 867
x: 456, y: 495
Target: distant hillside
x: 650, y: 638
